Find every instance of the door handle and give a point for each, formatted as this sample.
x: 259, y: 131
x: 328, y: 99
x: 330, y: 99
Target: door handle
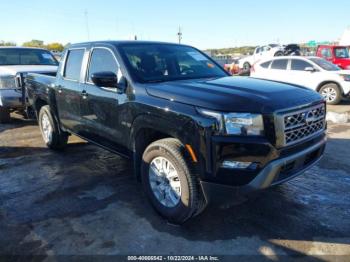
x: 84, y: 94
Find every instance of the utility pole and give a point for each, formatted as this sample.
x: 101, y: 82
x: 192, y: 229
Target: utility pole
x: 179, y: 34
x: 87, y: 24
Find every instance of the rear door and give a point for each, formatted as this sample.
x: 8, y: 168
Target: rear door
x: 302, y: 77
x: 69, y: 89
x: 278, y: 70
x: 103, y: 110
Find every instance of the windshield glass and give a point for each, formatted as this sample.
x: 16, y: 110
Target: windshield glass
x: 341, y: 52
x: 166, y: 62
x: 19, y: 56
x: 325, y: 64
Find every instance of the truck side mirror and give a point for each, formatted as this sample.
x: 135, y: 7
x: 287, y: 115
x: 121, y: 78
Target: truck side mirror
x: 105, y: 79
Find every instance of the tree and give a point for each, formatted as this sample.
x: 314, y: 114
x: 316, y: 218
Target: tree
x: 55, y: 47
x: 34, y: 43
x: 3, y: 43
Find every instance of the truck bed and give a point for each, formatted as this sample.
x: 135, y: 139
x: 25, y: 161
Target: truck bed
x: 38, y: 86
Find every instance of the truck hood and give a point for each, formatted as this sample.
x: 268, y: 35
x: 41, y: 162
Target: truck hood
x: 13, y: 70
x: 235, y: 94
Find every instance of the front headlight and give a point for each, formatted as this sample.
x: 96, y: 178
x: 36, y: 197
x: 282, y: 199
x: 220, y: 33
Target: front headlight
x: 8, y: 82
x: 244, y: 124
x: 346, y: 77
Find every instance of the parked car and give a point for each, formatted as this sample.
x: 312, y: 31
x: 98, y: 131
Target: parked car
x: 260, y: 53
x: 195, y: 135
x: 15, y: 63
x: 315, y: 73
x: 338, y: 55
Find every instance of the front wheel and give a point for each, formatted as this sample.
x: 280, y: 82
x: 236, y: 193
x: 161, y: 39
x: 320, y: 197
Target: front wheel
x: 169, y: 183
x: 331, y: 93
x: 52, y: 136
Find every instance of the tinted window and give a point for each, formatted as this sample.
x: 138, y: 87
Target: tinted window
x: 341, y: 52
x: 165, y: 62
x: 325, y: 64
x: 102, y: 60
x: 280, y: 64
x: 25, y: 56
x: 326, y: 52
x: 266, y: 64
x: 299, y: 65
x: 73, y: 64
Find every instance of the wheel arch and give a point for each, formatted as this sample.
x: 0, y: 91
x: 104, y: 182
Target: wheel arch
x: 148, y: 129
x: 329, y: 82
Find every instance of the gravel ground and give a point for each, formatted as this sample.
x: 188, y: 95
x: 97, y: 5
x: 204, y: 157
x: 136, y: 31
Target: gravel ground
x: 85, y: 201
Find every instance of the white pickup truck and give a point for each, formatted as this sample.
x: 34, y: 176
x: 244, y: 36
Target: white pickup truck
x: 260, y: 53
x: 15, y: 63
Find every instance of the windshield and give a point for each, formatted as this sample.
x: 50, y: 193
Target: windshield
x: 325, y: 64
x: 19, y: 56
x: 341, y: 52
x: 166, y: 62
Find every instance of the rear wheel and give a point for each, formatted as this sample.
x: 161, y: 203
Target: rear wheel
x: 52, y: 136
x: 246, y: 67
x: 4, y: 115
x: 279, y: 53
x: 169, y: 183
x: 331, y: 93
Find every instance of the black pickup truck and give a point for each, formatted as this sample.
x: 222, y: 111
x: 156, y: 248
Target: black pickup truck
x: 195, y: 135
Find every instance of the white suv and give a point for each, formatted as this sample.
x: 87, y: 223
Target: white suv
x: 311, y: 72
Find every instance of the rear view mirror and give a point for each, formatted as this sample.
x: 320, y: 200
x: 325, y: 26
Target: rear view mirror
x: 105, y: 79
x: 310, y: 69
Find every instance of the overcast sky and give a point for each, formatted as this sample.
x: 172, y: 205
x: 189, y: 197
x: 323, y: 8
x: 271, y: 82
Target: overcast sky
x: 205, y: 23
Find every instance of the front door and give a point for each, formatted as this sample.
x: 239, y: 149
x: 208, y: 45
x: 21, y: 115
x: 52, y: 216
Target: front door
x: 102, y: 107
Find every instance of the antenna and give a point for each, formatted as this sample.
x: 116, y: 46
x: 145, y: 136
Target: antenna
x: 179, y: 34
x: 87, y: 24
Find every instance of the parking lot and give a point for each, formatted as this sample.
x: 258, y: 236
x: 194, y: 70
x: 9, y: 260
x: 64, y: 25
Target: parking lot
x: 85, y: 201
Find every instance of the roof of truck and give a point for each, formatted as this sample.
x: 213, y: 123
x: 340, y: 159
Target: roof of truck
x: 22, y: 47
x: 122, y: 42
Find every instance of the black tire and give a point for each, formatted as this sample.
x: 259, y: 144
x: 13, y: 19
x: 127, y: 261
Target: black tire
x: 335, y: 90
x: 279, y: 53
x: 246, y: 67
x: 191, y: 201
x: 4, y: 115
x: 58, y: 139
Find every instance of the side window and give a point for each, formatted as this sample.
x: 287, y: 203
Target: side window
x: 257, y: 51
x: 73, y: 64
x: 299, y: 65
x: 280, y: 64
x: 102, y: 60
x: 266, y: 64
x: 326, y: 52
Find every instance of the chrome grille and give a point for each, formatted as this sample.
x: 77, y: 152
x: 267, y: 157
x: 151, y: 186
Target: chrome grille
x: 304, y: 123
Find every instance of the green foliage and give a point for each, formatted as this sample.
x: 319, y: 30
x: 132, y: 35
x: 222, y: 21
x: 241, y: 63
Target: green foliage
x: 231, y: 50
x: 55, y: 47
x: 3, y: 43
x: 34, y: 43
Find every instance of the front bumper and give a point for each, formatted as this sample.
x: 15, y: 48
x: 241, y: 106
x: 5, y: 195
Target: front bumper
x: 11, y: 98
x: 276, y: 172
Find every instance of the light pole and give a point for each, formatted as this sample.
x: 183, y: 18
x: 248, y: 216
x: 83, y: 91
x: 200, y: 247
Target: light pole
x: 179, y: 34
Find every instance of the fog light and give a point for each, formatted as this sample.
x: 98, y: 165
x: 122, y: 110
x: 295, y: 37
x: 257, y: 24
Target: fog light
x: 236, y: 164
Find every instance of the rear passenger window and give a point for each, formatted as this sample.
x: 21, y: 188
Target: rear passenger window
x: 102, y: 60
x: 280, y: 64
x: 73, y: 64
x: 266, y: 64
x: 299, y: 65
